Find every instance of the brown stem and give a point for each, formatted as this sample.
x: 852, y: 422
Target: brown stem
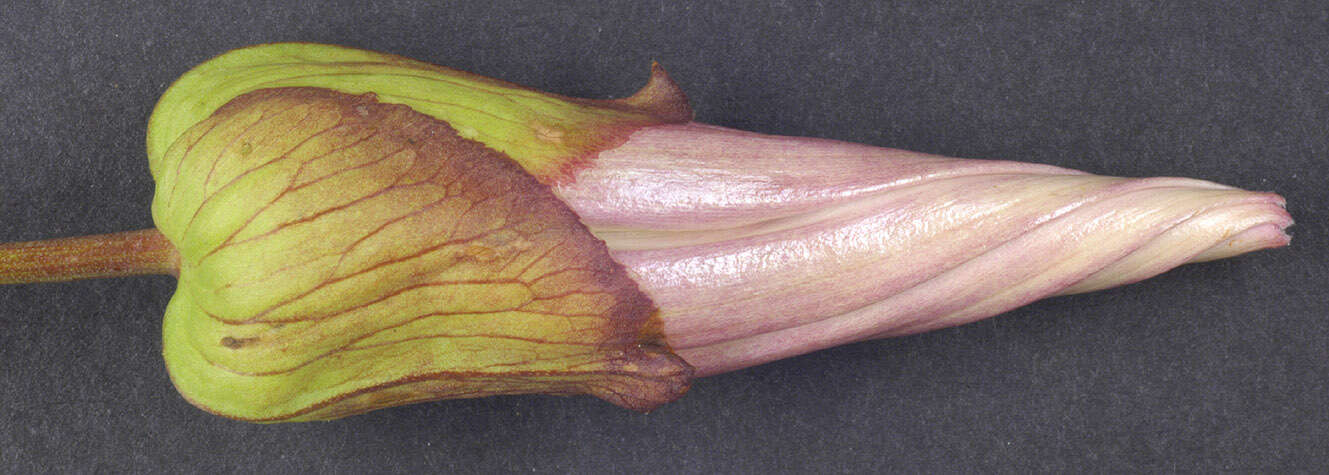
x: 88, y: 257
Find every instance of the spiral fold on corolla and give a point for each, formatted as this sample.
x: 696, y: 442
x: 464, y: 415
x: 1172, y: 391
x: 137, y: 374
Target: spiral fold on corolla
x: 758, y: 247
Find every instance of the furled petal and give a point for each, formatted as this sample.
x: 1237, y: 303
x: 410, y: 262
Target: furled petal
x: 760, y: 247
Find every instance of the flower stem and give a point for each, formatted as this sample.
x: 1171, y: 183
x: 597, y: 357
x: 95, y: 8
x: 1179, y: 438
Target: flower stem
x: 88, y: 257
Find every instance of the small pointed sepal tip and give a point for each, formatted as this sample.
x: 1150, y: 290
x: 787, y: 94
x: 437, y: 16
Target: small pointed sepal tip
x: 661, y: 97
x: 549, y: 135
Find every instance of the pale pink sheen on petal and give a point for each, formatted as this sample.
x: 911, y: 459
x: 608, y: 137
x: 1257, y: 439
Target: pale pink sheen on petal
x: 759, y: 247
x: 698, y: 176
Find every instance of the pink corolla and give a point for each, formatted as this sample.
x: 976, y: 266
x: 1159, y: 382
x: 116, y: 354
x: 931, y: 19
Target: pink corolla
x: 353, y: 230
x: 759, y: 247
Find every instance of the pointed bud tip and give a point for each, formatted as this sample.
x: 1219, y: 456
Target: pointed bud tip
x: 1269, y: 231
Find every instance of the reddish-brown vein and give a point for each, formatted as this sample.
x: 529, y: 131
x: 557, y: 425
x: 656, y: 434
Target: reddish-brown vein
x: 524, y: 308
x: 503, y: 269
x: 404, y: 289
x: 564, y: 270
x: 277, y: 272
x: 294, y: 176
x: 266, y: 206
x: 263, y: 117
x: 299, y: 171
x: 573, y: 292
x: 576, y: 381
x: 213, y: 166
x: 322, y: 212
x: 374, y: 232
x: 188, y: 149
x: 208, y: 180
x: 354, y: 347
x: 541, y: 257
x: 350, y: 345
x: 287, y: 154
x: 278, y: 158
x: 395, y: 293
x: 368, y: 269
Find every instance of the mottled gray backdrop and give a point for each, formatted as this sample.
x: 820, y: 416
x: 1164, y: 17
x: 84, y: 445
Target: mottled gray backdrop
x: 1217, y: 366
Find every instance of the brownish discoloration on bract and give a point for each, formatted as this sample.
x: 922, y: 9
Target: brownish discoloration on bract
x: 359, y: 255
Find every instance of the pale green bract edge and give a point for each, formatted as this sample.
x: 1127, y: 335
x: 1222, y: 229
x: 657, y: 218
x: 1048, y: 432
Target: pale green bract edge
x: 516, y: 121
x: 502, y: 116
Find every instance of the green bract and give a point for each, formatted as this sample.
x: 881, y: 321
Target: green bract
x: 546, y: 133
x: 339, y: 253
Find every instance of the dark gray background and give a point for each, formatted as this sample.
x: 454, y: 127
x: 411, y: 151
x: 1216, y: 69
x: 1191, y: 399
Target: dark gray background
x: 1217, y: 366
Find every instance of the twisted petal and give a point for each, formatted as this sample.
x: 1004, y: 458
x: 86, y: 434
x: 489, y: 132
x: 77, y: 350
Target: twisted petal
x: 758, y: 247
